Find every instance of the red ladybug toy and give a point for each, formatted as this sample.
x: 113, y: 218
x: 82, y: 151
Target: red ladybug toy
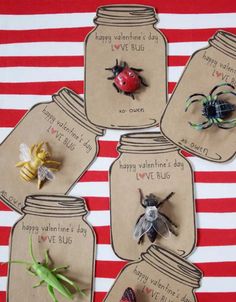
x: 126, y: 80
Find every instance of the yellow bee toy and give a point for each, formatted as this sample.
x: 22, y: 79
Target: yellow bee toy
x: 33, y: 163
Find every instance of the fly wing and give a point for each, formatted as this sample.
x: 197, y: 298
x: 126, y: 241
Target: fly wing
x: 141, y: 227
x: 24, y: 153
x: 45, y: 173
x: 161, y: 226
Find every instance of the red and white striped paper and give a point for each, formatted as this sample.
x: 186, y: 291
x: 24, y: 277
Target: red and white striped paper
x: 41, y: 50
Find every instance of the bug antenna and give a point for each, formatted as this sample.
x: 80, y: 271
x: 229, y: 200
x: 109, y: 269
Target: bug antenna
x: 31, y: 249
x: 116, y: 62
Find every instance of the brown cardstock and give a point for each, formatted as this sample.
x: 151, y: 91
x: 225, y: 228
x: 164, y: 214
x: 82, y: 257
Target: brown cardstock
x: 150, y: 162
x: 158, y: 276
x: 207, y: 68
x: 125, y: 33
x: 56, y: 223
x: 72, y: 140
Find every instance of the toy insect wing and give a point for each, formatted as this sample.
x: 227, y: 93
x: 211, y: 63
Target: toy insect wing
x: 128, y: 296
x: 45, y: 173
x: 142, y: 227
x: 24, y: 153
x: 161, y: 226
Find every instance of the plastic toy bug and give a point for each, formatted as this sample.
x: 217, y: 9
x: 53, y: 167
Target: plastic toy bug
x: 128, y: 296
x: 33, y: 163
x: 126, y: 79
x: 153, y: 222
x: 49, y: 276
x: 214, y: 108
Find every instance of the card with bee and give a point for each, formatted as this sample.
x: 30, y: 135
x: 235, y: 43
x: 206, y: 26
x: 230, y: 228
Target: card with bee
x: 49, y: 149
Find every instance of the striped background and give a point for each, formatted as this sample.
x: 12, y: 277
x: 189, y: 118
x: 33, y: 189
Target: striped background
x: 41, y: 50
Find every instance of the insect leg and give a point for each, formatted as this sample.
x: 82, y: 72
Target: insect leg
x: 76, y: 287
x: 31, y: 273
x: 111, y: 78
x: 129, y: 94
x: 59, y: 268
x: 167, y: 198
x: 190, y: 100
x: 216, y: 87
x: 227, y: 124
x: 46, y: 257
x: 39, y: 147
x: 142, y: 82
x: 141, y: 197
x: 52, y: 162
x: 109, y: 68
x: 117, y: 89
x: 201, y: 126
x: 51, y: 293
x: 136, y: 69
x: 225, y: 92
x: 20, y: 164
x: 39, y: 284
x: 39, y: 183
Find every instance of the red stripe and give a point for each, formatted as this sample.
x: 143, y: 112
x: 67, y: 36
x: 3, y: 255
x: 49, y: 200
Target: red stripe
x: 50, y: 61
x: 200, y: 177
x: 79, y: 34
x: 99, y: 296
x: 3, y: 270
x: 41, y: 88
x: 213, y: 297
x: 216, y: 237
x: 4, y: 207
x: 219, y: 269
x: 108, y: 269
x: 45, y: 35
x: 94, y: 176
x: 215, y: 177
x: 216, y: 205
x: 108, y: 148
x: 3, y: 297
x: 71, y: 6
x: 67, y: 61
x: 103, y: 234
x: 4, y: 235
x: 98, y: 203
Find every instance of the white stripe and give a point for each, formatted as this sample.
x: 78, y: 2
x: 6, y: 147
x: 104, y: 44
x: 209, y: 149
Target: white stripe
x: 211, y: 190
x: 48, y: 74
x: 4, y: 253
x: 99, y: 218
x: 77, y: 49
x: 102, y: 218
x: 205, y: 254
x: 3, y: 284
x: 44, y: 21
x: 208, y: 284
x: 4, y: 133
x: 103, y: 284
x: 101, y: 164
x: 25, y: 22
x: 216, y: 220
x: 21, y: 101
x: 204, y: 220
x: 40, y: 74
x: 217, y: 284
x: 8, y: 218
x: 204, y: 165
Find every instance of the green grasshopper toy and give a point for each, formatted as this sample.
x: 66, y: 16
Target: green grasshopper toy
x: 49, y: 276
